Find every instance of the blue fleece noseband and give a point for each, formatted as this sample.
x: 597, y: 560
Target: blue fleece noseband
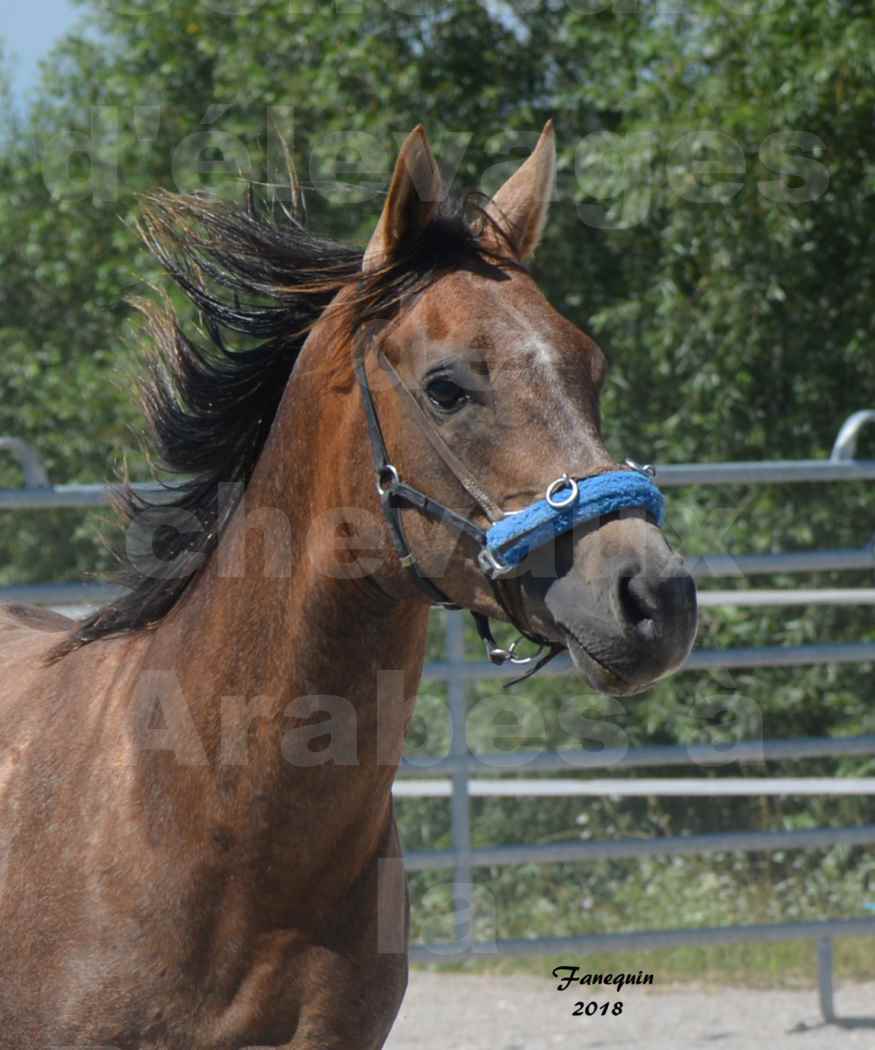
x: 568, y: 503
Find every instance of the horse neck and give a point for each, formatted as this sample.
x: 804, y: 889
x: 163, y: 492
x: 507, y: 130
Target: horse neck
x: 272, y: 620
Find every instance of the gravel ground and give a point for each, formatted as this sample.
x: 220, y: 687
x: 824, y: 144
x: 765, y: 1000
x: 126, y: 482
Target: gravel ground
x: 457, y: 1012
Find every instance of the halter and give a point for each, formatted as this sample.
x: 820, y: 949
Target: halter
x: 512, y: 535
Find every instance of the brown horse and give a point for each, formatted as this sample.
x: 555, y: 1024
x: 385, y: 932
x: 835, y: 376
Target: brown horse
x: 198, y: 845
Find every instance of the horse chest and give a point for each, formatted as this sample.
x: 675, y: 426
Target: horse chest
x: 301, y: 996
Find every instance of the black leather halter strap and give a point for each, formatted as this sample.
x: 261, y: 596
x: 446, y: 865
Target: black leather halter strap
x: 395, y: 494
x: 459, y: 470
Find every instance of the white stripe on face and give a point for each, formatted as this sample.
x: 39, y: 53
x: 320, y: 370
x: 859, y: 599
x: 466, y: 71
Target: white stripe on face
x: 564, y: 418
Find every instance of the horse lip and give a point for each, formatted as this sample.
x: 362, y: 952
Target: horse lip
x: 622, y: 684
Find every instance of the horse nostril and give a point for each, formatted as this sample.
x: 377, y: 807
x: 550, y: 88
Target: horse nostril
x: 647, y: 603
x: 637, y: 604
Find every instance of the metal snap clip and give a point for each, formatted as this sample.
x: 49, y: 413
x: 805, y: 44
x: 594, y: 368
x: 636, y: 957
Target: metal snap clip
x: 501, y: 657
x: 491, y: 566
x: 647, y: 470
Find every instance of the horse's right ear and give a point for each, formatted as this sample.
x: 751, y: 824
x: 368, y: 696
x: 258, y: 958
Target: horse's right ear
x: 413, y: 199
x: 520, y: 207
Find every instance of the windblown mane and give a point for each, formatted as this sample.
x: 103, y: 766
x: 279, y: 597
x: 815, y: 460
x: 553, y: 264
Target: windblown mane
x: 259, y: 280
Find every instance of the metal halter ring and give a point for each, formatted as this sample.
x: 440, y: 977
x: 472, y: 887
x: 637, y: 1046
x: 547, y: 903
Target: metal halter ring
x: 501, y: 657
x: 564, y: 501
x: 387, y: 479
x: 647, y: 470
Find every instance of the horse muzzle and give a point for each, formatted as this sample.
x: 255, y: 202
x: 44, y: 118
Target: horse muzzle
x: 625, y: 608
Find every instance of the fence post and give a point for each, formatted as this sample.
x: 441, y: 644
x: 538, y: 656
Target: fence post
x: 463, y: 902
x: 30, y: 461
x: 824, y: 979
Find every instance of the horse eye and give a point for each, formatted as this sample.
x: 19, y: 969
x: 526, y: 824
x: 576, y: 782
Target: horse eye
x: 447, y: 395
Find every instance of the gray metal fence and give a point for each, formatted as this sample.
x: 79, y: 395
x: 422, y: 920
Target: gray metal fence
x: 461, y: 767
x: 458, y: 766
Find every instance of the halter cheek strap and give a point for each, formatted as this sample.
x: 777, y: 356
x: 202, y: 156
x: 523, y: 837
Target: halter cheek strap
x: 458, y: 469
x: 511, y: 537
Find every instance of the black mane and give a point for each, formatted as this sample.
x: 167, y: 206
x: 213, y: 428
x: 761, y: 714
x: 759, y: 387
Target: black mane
x: 259, y: 281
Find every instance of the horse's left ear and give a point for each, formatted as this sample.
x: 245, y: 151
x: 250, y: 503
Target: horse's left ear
x: 414, y: 197
x: 521, y: 205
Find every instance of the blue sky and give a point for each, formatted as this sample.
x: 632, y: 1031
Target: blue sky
x: 28, y: 29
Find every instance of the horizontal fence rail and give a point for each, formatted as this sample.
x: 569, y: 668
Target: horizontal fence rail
x: 699, y: 660
x: 725, y: 787
x: 626, y: 849
x: 771, y: 599
x: 790, y: 472
x: 662, y: 755
x: 723, y: 565
x: 644, y: 940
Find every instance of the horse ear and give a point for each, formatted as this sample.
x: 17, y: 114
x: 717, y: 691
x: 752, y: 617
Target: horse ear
x: 414, y: 197
x: 520, y: 207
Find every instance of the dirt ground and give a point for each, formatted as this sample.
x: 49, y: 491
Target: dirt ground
x: 457, y: 1012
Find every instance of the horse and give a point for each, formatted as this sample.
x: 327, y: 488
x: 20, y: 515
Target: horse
x: 198, y: 843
